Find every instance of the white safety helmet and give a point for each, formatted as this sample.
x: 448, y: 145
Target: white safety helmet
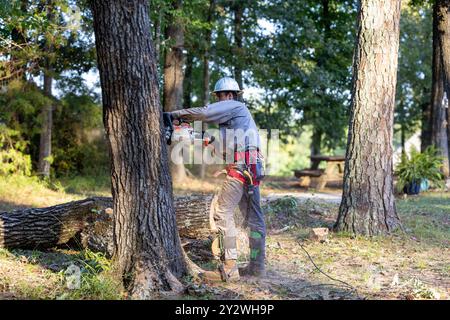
x: 227, y: 84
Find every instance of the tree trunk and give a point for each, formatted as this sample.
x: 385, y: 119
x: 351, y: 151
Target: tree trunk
x: 238, y: 9
x: 316, y: 141
x: 443, y: 26
x: 187, y: 87
x: 173, y: 77
x: 147, y: 250
x: 367, y: 205
x: 443, y: 15
x: 158, y: 37
x: 45, y: 144
x: 206, y: 74
x: 438, y: 112
x: 425, y: 136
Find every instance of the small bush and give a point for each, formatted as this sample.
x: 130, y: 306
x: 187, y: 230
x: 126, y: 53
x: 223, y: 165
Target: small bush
x: 13, y: 160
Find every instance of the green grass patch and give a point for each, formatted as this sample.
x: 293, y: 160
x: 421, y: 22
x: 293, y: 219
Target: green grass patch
x: 427, y: 217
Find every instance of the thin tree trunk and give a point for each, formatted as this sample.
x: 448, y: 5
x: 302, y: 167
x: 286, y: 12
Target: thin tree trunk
x: 45, y: 144
x: 316, y: 141
x: 238, y: 9
x: 403, y: 138
x: 368, y: 205
x: 173, y: 78
x: 187, y: 87
x: 147, y: 250
x: 206, y: 74
x: 443, y: 14
x: 158, y: 37
x: 425, y: 137
x: 438, y: 113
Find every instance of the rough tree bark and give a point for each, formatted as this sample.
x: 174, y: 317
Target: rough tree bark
x: 238, y: 10
x: 443, y: 26
x: 173, y: 77
x: 368, y: 205
x: 45, y: 144
x: 147, y: 250
x: 42, y: 228
x: 187, y: 86
x: 438, y: 112
x: 443, y: 15
x: 206, y: 72
x: 425, y: 134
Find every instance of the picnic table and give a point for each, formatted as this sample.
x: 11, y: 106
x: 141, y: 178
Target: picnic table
x: 318, y: 178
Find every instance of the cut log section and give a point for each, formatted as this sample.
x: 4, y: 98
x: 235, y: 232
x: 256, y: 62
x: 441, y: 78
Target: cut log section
x: 89, y: 224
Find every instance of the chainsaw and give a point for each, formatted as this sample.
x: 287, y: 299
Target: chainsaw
x: 183, y: 131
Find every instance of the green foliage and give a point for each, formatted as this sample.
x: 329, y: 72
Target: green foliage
x: 80, y: 144
x: 418, y: 166
x: 414, y: 69
x: 97, y: 280
x: 12, y: 157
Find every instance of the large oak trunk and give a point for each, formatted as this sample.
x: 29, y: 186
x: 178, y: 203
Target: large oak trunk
x: 147, y: 250
x: 367, y: 205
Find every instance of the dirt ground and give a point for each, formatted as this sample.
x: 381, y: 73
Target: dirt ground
x: 411, y: 264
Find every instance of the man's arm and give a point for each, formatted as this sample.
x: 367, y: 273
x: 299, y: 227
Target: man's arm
x: 191, y: 114
x: 217, y: 113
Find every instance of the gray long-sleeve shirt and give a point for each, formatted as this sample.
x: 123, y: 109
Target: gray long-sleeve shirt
x: 231, y: 116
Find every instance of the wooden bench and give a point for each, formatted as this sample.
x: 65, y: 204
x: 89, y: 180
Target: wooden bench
x: 308, y: 177
x: 318, y: 178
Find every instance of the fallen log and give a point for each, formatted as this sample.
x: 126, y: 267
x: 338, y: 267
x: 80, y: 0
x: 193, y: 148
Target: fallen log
x: 88, y: 223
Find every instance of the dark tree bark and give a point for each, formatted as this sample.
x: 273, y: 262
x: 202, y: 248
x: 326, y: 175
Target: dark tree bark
x: 238, y: 10
x: 187, y: 87
x: 443, y: 15
x: 438, y: 112
x: 42, y: 228
x: 173, y: 76
x: 368, y: 205
x: 206, y: 72
x: 45, y: 144
x: 316, y: 141
x: 425, y: 135
x: 443, y: 26
x: 147, y: 251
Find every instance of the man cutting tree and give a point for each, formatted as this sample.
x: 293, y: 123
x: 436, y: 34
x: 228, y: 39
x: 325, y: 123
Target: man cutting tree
x: 241, y: 186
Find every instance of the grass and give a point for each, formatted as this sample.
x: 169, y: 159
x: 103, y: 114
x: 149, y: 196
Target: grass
x: 427, y: 217
x: 418, y: 257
